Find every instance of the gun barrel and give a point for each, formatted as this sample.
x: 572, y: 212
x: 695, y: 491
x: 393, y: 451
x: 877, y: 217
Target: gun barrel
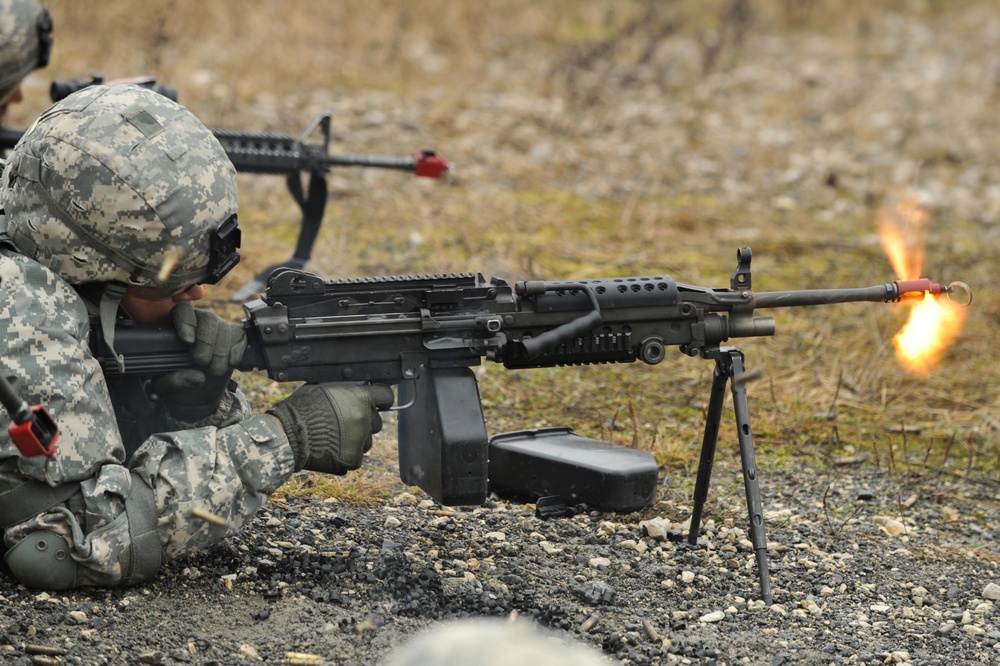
x: 280, y: 154
x: 401, y: 162
x: 885, y: 293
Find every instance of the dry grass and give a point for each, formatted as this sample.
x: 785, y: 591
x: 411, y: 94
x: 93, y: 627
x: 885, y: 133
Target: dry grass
x: 486, y: 84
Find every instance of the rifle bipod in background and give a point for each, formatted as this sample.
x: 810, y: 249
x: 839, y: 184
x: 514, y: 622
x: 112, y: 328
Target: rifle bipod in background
x: 729, y: 367
x: 280, y: 154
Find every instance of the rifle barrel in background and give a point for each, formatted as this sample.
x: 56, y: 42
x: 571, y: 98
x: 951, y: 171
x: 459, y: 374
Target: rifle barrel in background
x: 282, y: 154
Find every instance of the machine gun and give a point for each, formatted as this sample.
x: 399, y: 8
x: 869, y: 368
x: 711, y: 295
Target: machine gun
x: 424, y: 333
x: 274, y: 154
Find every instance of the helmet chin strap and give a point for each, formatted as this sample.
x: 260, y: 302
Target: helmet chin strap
x: 110, y: 299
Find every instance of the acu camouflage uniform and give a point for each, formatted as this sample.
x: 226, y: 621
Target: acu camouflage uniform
x: 122, y: 506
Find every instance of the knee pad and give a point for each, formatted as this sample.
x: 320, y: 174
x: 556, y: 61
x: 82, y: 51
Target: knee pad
x: 42, y: 561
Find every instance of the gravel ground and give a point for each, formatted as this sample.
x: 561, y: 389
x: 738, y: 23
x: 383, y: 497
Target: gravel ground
x: 868, y: 568
x: 869, y: 565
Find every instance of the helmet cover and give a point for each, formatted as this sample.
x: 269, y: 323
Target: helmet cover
x: 121, y: 184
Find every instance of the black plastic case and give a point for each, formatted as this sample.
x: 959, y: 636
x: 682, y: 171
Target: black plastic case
x: 530, y: 464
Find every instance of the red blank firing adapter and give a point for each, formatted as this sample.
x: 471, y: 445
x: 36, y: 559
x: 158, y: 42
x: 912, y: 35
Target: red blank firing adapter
x: 922, y: 285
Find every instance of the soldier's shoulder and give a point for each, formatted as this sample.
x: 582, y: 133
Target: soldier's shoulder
x: 28, y: 288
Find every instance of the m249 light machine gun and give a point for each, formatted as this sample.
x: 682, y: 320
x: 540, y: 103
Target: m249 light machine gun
x: 274, y: 154
x: 425, y: 333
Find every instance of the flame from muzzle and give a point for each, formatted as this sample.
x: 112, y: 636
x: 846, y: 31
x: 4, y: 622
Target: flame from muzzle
x: 934, y: 322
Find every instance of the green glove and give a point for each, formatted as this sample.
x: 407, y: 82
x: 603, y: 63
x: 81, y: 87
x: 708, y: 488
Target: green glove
x: 217, y: 345
x: 190, y: 395
x: 330, y: 426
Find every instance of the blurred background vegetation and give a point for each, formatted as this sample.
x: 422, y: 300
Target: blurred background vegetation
x: 593, y: 138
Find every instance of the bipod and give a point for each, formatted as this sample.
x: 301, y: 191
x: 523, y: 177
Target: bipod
x: 729, y: 366
x: 312, y: 203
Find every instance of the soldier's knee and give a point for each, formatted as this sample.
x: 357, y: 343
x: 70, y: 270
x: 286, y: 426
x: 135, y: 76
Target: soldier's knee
x: 42, y: 561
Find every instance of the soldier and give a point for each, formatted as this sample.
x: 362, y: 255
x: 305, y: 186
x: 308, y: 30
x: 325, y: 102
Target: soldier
x: 25, y: 45
x: 118, y: 203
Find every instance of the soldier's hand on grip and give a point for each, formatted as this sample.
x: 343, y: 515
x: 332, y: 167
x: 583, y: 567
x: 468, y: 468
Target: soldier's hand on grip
x: 217, y: 345
x: 330, y: 426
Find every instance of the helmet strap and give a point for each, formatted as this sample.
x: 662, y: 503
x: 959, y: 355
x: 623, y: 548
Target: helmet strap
x: 110, y: 299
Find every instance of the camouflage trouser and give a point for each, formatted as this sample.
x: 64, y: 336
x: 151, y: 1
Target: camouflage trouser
x: 224, y: 472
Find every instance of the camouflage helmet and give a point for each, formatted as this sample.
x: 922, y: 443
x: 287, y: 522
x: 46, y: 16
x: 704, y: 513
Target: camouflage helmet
x: 25, y: 41
x: 121, y: 184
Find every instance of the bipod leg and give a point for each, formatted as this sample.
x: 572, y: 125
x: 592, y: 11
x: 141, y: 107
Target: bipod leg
x: 749, y: 459
x: 708, y: 442
x: 313, y: 206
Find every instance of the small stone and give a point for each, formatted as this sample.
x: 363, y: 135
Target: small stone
x: 248, y: 651
x: 893, y: 527
x: 405, y: 498
x: 714, y: 616
x: 945, y: 628
x: 992, y: 592
x: 784, y: 202
x: 656, y: 528
x: 550, y: 548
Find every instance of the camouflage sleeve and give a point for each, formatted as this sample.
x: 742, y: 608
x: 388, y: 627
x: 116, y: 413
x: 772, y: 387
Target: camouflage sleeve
x: 44, y: 329
x: 226, y: 473
x: 233, y: 408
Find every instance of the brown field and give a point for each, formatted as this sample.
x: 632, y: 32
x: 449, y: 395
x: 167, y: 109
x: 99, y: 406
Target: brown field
x: 601, y: 138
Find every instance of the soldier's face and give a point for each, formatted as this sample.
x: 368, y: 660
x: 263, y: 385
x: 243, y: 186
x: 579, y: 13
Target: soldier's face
x: 149, y: 305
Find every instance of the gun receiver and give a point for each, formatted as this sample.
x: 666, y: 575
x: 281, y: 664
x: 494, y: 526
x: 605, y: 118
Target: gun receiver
x: 424, y: 333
